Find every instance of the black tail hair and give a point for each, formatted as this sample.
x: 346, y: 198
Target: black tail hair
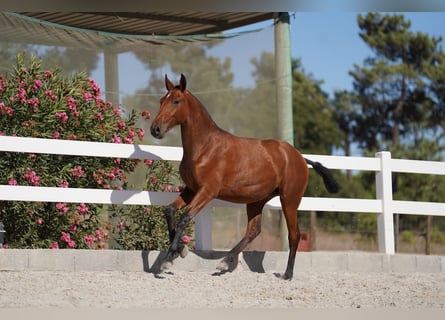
x: 330, y: 183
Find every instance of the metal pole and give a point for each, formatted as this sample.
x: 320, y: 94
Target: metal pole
x: 283, y: 75
x: 111, y: 77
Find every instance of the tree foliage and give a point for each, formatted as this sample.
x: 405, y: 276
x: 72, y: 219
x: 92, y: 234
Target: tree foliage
x: 397, y: 103
x: 396, y: 87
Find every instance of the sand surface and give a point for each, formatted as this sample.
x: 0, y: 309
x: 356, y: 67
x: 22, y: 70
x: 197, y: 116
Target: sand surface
x: 239, y: 289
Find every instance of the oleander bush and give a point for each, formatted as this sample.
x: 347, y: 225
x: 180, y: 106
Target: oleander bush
x: 44, y: 104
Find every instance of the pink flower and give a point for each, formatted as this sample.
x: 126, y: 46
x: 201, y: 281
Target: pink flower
x: 148, y: 162
x: 71, y: 244
x: 39, y: 220
x: 62, y: 207
x: 50, y: 94
x: 99, y: 116
x: 54, y: 245
x: 47, y: 74
x: 111, y: 176
x: 34, y: 102
x: 72, y: 106
x: 99, y: 234
x: 64, y: 184
x: 73, y: 228
x: 6, y: 110
x: 89, y: 240
x: 120, y: 225
x: 87, y: 96
x: 65, y: 237
x: 21, y: 95
x: 116, y: 139
x: 153, y: 179
x: 141, y: 133
x: 62, y: 116
x: 77, y: 172
x: 128, y: 140
x: 167, y: 188
x: 131, y: 134
x: 186, y: 239
x: 12, y: 182
x: 82, y: 208
x: 31, y: 177
x: 117, y: 112
x: 95, y: 87
x: 70, y: 100
x: 146, y: 114
x: 121, y: 125
x: 56, y: 135
x: 37, y: 85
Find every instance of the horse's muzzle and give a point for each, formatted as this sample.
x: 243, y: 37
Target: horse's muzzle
x: 155, y: 131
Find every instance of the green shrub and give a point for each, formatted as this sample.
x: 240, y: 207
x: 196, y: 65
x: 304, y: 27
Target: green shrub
x: 437, y: 236
x: 44, y: 104
x: 407, y: 237
x: 145, y: 228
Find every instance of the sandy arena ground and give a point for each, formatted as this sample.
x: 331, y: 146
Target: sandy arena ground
x: 239, y: 289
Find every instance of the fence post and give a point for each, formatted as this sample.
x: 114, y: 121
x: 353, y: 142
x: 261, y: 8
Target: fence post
x: 385, y: 223
x: 203, y: 229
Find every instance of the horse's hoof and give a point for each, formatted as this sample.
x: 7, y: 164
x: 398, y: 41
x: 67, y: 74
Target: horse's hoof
x: 287, y: 276
x: 166, y: 265
x: 222, y: 266
x: 183, y: 251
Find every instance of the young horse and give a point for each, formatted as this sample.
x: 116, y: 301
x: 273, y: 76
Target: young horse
x: 217, y: 164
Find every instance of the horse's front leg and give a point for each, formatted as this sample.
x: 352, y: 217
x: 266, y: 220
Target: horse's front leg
x: 180, y: 202
x: 196, y: 204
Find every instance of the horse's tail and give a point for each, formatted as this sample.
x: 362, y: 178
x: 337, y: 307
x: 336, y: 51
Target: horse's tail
x: 331, y: 184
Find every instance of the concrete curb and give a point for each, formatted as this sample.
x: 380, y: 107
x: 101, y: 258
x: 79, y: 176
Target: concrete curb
x: 206, y: 261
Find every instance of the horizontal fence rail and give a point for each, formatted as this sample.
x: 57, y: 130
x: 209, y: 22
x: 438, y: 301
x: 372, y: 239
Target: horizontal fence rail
x: 383, y: 165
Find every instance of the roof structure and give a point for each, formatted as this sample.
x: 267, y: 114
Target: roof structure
x: 121, y: 31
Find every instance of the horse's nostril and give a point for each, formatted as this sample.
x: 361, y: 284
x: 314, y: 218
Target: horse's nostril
x: 155, y: 131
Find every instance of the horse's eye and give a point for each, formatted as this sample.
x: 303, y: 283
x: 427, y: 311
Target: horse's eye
x: 176, y: 101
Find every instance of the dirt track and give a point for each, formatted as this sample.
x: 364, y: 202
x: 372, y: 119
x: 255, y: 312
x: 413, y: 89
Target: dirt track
x: 240, y: 289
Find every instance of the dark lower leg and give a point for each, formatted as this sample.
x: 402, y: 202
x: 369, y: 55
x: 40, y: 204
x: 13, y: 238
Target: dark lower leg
x: 253, y: 230
x: 169, y: 214
x: 293, y: 245
x: 180, y: 202
x: 173, y: 251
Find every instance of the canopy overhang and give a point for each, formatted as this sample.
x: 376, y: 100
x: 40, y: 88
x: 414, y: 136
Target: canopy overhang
x: 121, y: 31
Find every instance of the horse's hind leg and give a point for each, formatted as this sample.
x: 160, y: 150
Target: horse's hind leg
x: 290, y: 213
x: 253, y: 230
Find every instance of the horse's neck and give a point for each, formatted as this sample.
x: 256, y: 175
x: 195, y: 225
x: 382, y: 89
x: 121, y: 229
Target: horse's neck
x: 197, y: 131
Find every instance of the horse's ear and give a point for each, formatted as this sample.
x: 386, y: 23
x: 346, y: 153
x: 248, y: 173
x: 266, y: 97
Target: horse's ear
x: 168, y: 84
x: 182, y: 82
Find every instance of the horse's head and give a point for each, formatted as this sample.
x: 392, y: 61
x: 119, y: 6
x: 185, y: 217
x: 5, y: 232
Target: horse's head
x: 173, y: 108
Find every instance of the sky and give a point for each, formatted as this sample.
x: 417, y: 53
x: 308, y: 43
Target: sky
x: 327, y: 43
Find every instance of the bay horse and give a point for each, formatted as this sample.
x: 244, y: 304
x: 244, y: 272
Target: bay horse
x: 217, y: 164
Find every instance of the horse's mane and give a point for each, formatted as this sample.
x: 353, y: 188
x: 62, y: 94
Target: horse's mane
x: 202, y: 107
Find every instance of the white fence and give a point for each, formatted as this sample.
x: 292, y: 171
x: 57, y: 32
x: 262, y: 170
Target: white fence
x: 382, y: 164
